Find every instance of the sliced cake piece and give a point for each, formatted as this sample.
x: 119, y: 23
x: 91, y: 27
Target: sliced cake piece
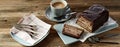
x: 92, y: 18
x: 72, y: 31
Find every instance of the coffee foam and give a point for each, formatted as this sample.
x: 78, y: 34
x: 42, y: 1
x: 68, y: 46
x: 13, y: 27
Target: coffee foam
x: 58, y: 5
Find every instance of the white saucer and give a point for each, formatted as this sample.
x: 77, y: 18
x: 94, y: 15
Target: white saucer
x: 49, y: 15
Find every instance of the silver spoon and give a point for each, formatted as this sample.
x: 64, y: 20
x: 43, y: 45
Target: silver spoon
x: 97, y: 40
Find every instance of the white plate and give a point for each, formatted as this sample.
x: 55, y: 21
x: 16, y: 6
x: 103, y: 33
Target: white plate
x: 24, y: 38
x: 110, y: 24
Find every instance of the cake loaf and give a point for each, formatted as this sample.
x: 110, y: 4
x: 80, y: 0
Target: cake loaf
x: 92, y: 18
x: 72, y: 31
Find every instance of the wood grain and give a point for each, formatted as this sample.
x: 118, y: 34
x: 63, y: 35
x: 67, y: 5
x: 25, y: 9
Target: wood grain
x: 12, y: 10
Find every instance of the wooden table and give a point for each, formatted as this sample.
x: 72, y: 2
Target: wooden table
x: 12, y: 10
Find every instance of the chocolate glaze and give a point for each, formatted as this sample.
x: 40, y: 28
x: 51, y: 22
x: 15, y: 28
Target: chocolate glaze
x: 95, y: 11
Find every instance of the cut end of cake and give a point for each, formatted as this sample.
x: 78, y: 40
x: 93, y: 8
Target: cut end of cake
x: 72, y: 31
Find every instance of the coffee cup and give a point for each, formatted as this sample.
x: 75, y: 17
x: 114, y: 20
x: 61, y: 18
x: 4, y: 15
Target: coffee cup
x: 58, y: 7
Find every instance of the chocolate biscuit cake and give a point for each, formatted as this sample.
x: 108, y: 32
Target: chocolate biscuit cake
x: 72, y: 31
x: 92, y: 18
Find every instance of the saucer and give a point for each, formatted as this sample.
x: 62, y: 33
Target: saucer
x: 49, y: 15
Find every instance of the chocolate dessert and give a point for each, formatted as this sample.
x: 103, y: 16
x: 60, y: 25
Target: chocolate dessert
x: 72, y: 31
x: 92, y: 18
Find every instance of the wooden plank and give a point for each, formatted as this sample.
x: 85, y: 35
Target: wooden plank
x: 10, y: 19
x: 12, y: 10
x: 51, y: 40
x: 77, y: 5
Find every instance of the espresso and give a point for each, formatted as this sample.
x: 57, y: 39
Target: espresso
x: 58, y: 5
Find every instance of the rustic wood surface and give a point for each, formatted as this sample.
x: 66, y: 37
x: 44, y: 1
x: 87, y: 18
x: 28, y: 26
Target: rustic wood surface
x: 12, y: 10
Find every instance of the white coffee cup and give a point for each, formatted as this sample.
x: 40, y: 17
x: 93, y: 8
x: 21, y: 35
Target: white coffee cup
x: 58, y: 7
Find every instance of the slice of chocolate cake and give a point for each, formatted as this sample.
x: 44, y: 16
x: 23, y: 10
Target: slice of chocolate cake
x: 72, y: 31
x: 92, y: 18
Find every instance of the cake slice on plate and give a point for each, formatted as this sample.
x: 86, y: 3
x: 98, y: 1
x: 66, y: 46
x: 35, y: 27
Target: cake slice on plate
x: 72, y: 31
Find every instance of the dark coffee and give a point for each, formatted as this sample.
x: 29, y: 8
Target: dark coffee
x: 58, y: 5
